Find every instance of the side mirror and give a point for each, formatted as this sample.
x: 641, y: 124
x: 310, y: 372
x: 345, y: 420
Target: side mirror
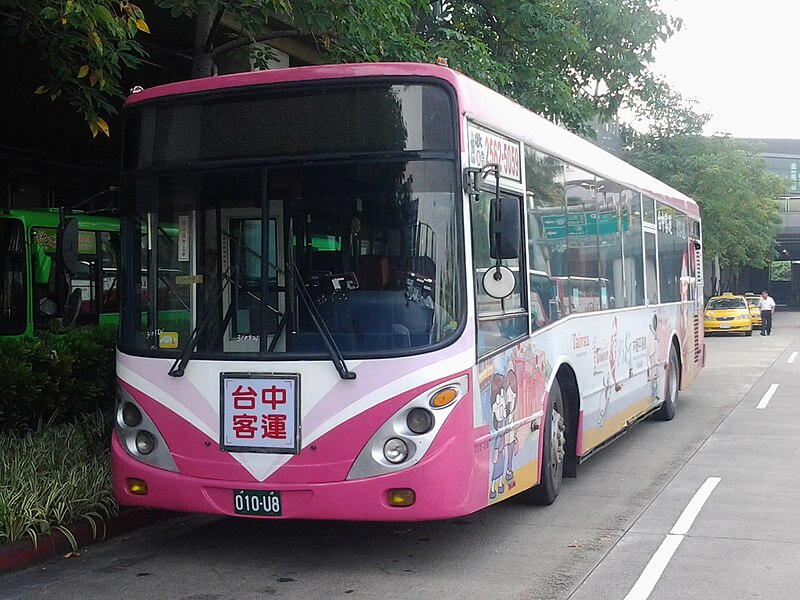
x: 504, y: 228
x: 67, y: 245
x: 72, y: 308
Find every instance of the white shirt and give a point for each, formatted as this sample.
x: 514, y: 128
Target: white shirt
x: 767, y: 303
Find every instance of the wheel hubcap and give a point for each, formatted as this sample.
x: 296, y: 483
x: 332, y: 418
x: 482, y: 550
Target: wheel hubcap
x: 672, y: 381
x: 558, y: 440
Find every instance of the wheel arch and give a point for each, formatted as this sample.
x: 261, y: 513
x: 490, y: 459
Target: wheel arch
x: 570, y: 393
x: 679, y: 354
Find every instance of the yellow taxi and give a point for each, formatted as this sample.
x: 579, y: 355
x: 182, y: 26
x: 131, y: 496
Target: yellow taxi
x: 753, y: 302
x: 728, y: 313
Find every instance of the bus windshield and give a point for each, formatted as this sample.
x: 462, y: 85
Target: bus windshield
x: 372, y: 238
x: 13, y: 305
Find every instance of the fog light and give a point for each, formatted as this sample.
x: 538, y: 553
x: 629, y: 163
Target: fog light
x: 420, y: 420
x: 137, y: 486
x: 402, y: 497
x: 131, y: 415
x: 395, y: 450
x: 145, y: 442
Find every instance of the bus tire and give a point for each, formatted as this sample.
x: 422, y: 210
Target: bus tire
x: 667, y: 410
x: 553, y: 450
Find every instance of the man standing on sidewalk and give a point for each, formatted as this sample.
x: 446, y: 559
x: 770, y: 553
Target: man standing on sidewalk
x: 767, y: 306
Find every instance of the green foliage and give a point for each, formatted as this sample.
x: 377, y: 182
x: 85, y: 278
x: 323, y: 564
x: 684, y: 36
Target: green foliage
x: 53, y: 478
x: 56, y: 378
x: 781, y: 271
x: 730, y: 182
x: 666, y: 113
x: 569, y: 60
x: 84, y: 45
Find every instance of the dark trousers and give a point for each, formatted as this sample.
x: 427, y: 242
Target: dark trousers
x: 766, y: 322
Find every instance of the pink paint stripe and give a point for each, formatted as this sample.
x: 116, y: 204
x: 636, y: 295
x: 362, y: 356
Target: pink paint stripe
x: 181, y: 389
x: 373, y: 375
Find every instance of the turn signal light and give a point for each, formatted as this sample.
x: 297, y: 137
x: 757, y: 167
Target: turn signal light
x: 443, y: 397
x: 402, y: 497
x: 137, y: 487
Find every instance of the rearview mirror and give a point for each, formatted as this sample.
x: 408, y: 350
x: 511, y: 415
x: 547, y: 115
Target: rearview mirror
x: 504, y: 228
x: 67, y: 244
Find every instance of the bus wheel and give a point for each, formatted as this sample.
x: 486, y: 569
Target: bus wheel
x: 553, y: 450
x: 667, y: 410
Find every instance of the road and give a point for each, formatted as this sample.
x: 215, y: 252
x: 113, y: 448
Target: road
x: 622, y: 528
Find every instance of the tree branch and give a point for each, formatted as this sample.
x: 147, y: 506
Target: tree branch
x: 207, y: 47
x: 246, y: 41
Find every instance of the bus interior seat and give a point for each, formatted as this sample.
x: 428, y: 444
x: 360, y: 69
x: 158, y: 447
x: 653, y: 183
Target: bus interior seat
x: 369, y: 320
x: 373, y: 272
x: 46, y: 309
x: 331, y: 261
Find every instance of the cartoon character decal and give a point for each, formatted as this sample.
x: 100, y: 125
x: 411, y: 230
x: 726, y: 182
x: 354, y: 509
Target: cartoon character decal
x: 620, y: 368
x: 659, y: 339
x: 610, y: 385
x: 652, y: 357
x: 505, y: 444
x: 512, y: 392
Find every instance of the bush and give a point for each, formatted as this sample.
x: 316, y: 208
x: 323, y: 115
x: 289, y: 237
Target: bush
x: 56, y: 378
x: 53, y: 478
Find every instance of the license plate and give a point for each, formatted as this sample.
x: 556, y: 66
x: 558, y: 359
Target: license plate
x: 724, y: 325
x: 257, y: 502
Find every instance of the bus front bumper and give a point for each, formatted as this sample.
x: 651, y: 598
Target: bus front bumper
x: 439, y: 493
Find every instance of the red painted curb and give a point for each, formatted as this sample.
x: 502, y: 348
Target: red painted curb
x: 23, y: 552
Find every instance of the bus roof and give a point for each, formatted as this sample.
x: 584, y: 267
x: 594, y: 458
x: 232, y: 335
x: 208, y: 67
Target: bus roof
x: 476, y: 101
x: 48, y: 217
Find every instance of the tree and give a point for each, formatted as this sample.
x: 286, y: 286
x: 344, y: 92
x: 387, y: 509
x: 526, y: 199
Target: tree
x: 85, y: 44
x: 730, y: 182
x: 569, y: 60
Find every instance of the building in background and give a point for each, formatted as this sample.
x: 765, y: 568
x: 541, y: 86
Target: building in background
x: 782, y: 157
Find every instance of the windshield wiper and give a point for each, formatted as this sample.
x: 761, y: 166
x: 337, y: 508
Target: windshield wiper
x: 179, y: 366
x: 322, y: 327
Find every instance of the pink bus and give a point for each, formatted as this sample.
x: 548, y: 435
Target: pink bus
x: 341, y: 252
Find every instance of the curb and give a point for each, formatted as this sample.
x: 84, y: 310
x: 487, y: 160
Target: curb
x: 23, y: 553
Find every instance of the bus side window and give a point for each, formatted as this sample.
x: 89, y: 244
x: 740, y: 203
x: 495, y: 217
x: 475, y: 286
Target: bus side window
x: 547, y: 231
x: 504, y: 318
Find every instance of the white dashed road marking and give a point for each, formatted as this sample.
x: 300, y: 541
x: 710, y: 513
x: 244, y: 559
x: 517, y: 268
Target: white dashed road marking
x: 767, y: 397
x: 652, y: 572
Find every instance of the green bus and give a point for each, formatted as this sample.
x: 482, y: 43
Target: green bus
x: 36, y: 294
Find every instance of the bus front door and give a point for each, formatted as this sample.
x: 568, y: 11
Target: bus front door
x: 249, y: 306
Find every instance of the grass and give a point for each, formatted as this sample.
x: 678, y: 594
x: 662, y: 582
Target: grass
x: 53, y: 478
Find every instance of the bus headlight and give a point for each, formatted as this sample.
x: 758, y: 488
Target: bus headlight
x: 395, y: 450
x: 145, y: 442
x: 406, y: 436
x: 419, y: 420
x: 131, y: 415
x: 138, y: 435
